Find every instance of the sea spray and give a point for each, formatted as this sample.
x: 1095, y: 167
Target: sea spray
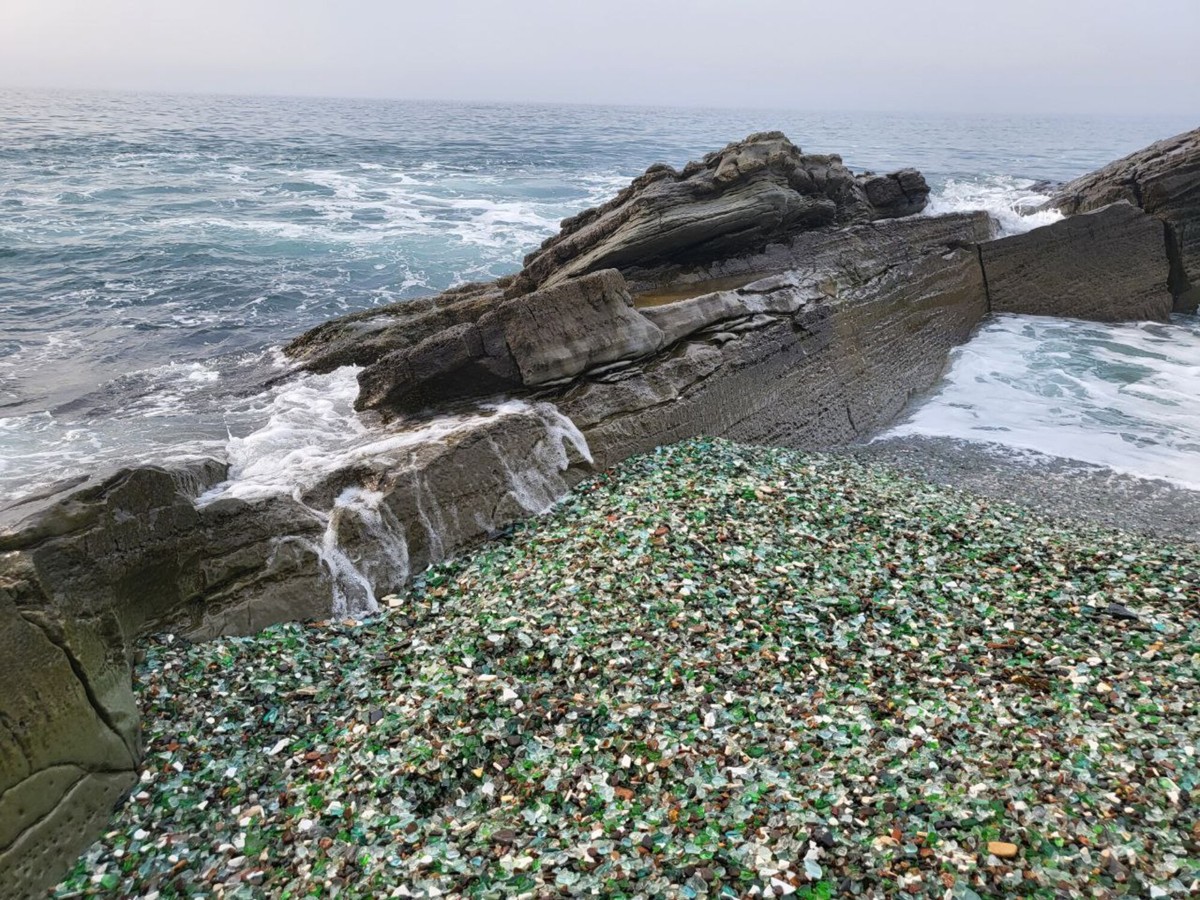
x: 1013, y: 202
x: 537, y: 485
x: 429, y: 516
x: 313, y: 433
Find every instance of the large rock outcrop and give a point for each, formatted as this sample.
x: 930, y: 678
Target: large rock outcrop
x: 1109, y: 265
x: 761, y: 294
x: 730, y: 202
x: 1164, y: 180
x: 825, y: 351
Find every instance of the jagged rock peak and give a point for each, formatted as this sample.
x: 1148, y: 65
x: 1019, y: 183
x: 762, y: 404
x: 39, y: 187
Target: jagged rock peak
x: 733, y: 200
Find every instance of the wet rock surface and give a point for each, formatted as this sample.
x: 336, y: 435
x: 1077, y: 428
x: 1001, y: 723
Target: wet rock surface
x: 549, y: 335
x: 85, y: 572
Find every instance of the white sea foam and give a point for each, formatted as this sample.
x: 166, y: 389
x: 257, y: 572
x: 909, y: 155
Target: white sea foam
x: 1122, y: 396
x: 1009, y: 200
x: 312, y: 430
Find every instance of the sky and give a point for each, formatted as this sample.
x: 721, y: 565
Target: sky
x: 1001, y: 56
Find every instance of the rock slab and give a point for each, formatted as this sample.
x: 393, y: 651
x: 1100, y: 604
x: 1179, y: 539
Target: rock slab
x: 1164, y: 180
x: 1109, y: 265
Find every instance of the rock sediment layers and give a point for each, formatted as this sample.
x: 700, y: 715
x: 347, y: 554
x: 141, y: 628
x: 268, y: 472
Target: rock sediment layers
x: 762, y: 294
x: 732, y: 201
x: 1164, y: 180
x: 1109, y: 265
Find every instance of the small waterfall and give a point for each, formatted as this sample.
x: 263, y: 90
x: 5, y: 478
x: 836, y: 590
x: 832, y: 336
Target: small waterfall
x: 363, y: 548
x: 429, y: 514
x: 538, y: 485
x: 354, y: 584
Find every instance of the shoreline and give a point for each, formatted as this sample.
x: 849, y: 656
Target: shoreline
x: 854, y: 305
x: 1067, y: 490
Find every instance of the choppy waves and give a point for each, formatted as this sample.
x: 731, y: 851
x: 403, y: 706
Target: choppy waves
x: 154, y: 249
x: 1013, y: 202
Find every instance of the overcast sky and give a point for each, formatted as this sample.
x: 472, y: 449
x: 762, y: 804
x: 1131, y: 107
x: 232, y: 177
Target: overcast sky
x: 1094, y: 56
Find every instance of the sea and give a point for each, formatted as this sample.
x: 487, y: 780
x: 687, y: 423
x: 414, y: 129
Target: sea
x: 156, y: 252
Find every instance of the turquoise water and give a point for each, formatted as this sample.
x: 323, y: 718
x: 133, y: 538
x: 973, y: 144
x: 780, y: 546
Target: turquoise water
x: 155, y: 249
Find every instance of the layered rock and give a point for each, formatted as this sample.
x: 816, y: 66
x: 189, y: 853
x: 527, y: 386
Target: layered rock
x: 730, y: 202
x: 761, y: 294
x: 1110, y: 265
x: 538, y: 338
x: 1164, y: 180
x: 826, y: 351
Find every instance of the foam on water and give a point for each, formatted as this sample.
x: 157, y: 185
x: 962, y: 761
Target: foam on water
x: 1011, y: 201
x: 311, y: 431
x: 1122, y: 396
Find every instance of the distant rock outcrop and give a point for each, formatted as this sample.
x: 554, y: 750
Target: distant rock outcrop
x: 1164, y: 180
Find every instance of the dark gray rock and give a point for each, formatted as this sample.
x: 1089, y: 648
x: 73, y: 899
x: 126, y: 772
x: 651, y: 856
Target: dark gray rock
x: 1108, y: 266
x: 827, y: 352
x: 901, y: 193
x: 545, y: 336
x: 71, y: 597
x: 733, y: 201
x: 462, y: 362
x: 362, y: 338
x: 559, y: 332
x: 1164, y: 180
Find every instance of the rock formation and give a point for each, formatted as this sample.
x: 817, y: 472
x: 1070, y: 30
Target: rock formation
x: 1164, y: 180
x: 1109, y: 265
x: 732, y: 201
x: 762, y: 294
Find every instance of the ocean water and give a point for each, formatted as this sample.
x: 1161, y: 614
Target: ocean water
x: 155, y: 251
x: 1122, y: 396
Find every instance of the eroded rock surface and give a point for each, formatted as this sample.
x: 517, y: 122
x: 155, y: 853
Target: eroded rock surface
x: 824, y: 352
x: 730, y: 202
x: 1164, y: 180
x: 548, y: 335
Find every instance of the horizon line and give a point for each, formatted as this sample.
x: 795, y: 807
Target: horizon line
x: 592, y: 104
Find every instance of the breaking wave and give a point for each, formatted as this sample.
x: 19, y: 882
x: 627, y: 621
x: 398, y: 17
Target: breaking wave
x: 1126, y: 397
